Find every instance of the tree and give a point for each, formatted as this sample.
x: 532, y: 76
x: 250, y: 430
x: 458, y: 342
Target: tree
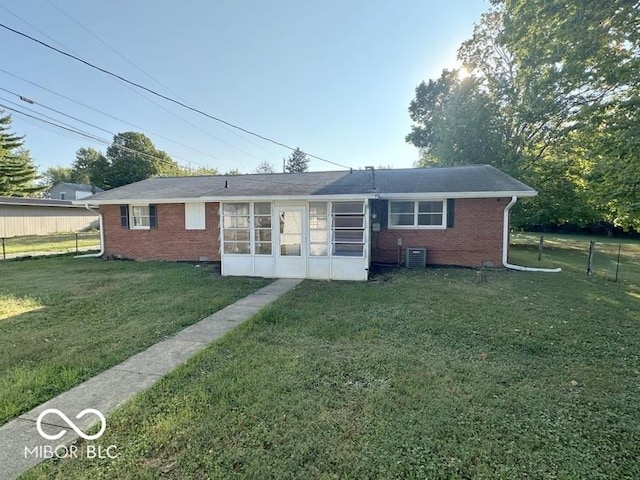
x: 17, y: 171
x: 55, y: 175
x: 133, y: 157
x: 265, y: 167
x: 297, y: 162
x: 456, y: 123
x: 91, y: 167
x: 557, y: 84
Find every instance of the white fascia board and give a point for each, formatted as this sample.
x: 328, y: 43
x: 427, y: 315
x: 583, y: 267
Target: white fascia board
x: 243, y: 198
x: 48, y: 205
x: 445, y: 195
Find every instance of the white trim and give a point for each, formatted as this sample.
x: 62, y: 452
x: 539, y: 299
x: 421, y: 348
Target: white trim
x: 415, y: 225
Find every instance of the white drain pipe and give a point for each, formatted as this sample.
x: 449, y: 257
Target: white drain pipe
x: 101, y: 252
x: 505, y: 245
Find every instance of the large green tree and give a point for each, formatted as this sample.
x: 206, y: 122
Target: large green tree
x: 563, y: 79
x: 91, y: 167
x: 134, y: 157
x: 18, y: 174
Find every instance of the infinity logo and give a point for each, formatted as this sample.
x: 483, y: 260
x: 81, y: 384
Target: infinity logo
x: 75, y: 428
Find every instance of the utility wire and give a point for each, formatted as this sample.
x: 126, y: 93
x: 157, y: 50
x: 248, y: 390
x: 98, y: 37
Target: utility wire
x: 77, y: 102
x: 165, y: 97
x: 69, y: 128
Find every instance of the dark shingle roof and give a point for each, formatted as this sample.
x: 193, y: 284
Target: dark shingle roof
x: 455, y: 181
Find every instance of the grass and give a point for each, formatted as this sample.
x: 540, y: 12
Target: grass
x: 417, y: 374
x: 571, y: 252
x: 63, y: 320
x: 60, y: 242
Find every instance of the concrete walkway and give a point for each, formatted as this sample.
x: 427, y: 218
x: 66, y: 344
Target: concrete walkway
x: 22, y: 446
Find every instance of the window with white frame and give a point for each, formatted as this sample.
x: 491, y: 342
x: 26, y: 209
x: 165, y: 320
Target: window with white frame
x: 194, y: 216
x: 262, y: 228
x: 236, y: 228
x: 417, y: 214
x: 140, y: 217
x: 318, y: 229
x: 347, y: 229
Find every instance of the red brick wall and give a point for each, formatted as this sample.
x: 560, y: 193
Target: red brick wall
x: 170, y: 241
x: 476, y: 236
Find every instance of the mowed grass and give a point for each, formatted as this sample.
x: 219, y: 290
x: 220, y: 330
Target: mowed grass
x: 60, y: 242
x: 63, y: 320
x: 571, y: 252
x: 418, y: 374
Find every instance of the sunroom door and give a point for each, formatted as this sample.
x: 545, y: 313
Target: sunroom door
x: 291, y: 257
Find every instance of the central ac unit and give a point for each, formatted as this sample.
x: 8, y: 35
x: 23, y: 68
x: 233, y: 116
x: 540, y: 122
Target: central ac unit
x: 416, y: 257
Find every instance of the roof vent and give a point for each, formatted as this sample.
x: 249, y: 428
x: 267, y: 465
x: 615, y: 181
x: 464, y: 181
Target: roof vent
x: 416, y: 257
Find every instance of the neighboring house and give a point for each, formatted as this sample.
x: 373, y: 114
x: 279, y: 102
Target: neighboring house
x: 72, y: 191
x: 325, y: 225
x: 37, y: 216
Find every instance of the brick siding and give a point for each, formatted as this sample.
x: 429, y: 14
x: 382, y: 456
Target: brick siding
x: 170, y: 241
x: 476, y: 236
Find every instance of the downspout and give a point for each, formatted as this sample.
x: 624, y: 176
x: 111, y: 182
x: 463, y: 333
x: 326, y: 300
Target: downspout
x: 505, y: 245
x: 101, y: 252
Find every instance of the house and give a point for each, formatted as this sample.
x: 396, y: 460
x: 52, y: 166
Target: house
x: 72, y: 191
x: 325, y: 225
x: 37, y: 216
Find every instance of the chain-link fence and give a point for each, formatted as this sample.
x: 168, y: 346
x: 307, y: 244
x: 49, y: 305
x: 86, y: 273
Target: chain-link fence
x: 604, y: 257
x: 12, y: 247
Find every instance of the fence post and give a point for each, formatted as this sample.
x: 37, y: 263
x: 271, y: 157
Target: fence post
x: 540, y: 245
x: 76, y: 242
x: 590, y: 259
x: 618, y: 261
x: 4, y: 253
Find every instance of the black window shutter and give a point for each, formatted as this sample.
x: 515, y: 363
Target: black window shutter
x: 124, y: 216
x: 153, y: 216
x: 451, y: 208
x: 383, y: 211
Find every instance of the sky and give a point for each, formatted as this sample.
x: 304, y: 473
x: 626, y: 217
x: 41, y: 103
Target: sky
x: 332, y: 77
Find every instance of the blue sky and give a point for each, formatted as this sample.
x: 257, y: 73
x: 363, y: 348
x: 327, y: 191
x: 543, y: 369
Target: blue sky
x: 334, y: 78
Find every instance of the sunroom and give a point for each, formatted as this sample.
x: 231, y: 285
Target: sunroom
x: 321, y: 239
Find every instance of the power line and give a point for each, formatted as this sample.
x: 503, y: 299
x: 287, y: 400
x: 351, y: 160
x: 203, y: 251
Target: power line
x: 165, y: 97
x: 69, y: 128
x: 77, y: 102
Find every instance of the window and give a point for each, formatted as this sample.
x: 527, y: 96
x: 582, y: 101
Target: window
x: 262, y: 228
x: 347, y: 229
x: 417, y: 214
x: 318, y: 229
x: 194, y: 216
x: 236, y: 228
x: 63, y: 195
x: 141, y: 217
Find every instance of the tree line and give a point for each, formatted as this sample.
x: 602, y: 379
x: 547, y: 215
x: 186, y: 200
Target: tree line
x: 552, y: 97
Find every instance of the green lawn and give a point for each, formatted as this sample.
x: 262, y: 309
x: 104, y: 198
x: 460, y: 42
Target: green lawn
x: 62, y: 320
x: 60, y: 242
x: 417, y: 374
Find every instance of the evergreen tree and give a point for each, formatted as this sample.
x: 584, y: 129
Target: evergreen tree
x: 17, y: 171
x: 297, y: 162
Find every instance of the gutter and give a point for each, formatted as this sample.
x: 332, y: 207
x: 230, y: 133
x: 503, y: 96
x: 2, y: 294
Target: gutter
x: 505, y: 245
x: 101, y: 252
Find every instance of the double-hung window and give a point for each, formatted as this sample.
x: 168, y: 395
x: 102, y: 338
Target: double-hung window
x: 417, y: 214
x: 139, y: 217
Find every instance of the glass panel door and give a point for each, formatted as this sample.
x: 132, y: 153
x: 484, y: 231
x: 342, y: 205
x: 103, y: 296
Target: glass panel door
x: 290, y: 233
